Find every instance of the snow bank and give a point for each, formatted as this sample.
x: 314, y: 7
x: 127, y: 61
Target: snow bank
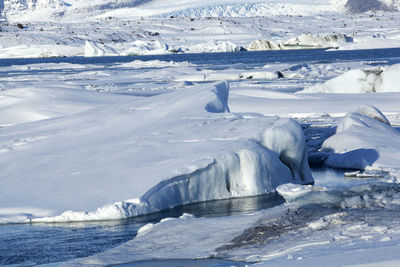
x: 93, y: 49
x: 171, y: 149
x: 361, y: 81
x: 33, y: 103
x: 363, y: 139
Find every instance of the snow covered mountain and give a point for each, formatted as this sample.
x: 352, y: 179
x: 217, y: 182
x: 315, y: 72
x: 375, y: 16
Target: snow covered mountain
x: 56, y: 9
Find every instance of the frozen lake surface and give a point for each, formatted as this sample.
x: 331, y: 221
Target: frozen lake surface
x: 31, y: 244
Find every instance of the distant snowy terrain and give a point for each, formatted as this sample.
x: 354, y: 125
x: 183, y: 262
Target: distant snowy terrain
x: 100, y: 28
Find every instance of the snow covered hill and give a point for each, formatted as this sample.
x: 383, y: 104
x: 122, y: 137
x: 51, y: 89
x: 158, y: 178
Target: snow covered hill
x: 56, y: 9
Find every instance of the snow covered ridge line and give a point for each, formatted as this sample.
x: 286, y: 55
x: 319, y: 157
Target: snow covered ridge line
x: 361, y: 81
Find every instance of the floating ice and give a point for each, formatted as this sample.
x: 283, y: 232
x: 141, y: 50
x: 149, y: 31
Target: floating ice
x: 141, y: 155
x: 361, y: 81
x: 306, y: 40
x: 363, y: 140
x: 93, y: 49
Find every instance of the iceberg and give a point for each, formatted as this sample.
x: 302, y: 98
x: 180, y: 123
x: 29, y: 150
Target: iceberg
x: 361, y: 81
x: 143, y: 155
x: 363, y: 139
x: 304, y: 41
x: 93, y: 49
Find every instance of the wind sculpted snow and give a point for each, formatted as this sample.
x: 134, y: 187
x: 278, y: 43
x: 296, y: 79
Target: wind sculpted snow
x: 143, y: 155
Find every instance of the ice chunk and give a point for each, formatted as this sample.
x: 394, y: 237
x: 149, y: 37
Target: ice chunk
x: 293, y: 191
x: 319, y: 41
x: 141, y: 155
x: 140, y: 47
x: 390, y: 79
x: 93, y: 49
x: 361, y: 81
x: 263, y: 45
x: 213, y: 46
x: 285, y: 138
x: 306, y: 40
x: 372, y: 112
x: 353, y: 81
x: 363, y: 140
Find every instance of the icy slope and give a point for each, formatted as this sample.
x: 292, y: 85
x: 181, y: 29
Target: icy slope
x: 153, y: 153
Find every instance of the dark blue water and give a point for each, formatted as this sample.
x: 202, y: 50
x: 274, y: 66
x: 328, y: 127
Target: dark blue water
x: 32, y: 244
x: 390, y: 56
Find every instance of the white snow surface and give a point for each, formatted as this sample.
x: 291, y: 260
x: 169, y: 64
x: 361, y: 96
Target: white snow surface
x: 361, y: 81
x: 363, y: 139
x: 167, y: 150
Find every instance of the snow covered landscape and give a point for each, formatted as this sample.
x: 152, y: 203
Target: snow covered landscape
x: 119, y: 111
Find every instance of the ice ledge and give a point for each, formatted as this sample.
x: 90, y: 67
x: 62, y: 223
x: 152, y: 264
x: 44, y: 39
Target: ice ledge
x: 168, y: 150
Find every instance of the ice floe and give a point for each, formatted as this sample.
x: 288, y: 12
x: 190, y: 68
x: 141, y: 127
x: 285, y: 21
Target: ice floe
x: 363, y: 139
x: 361, y: 81
x: 166, y: 150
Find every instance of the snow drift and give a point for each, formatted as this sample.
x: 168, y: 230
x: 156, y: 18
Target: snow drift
x: 361, y: 81
x: 363, y: 139
x: 154, y: 153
